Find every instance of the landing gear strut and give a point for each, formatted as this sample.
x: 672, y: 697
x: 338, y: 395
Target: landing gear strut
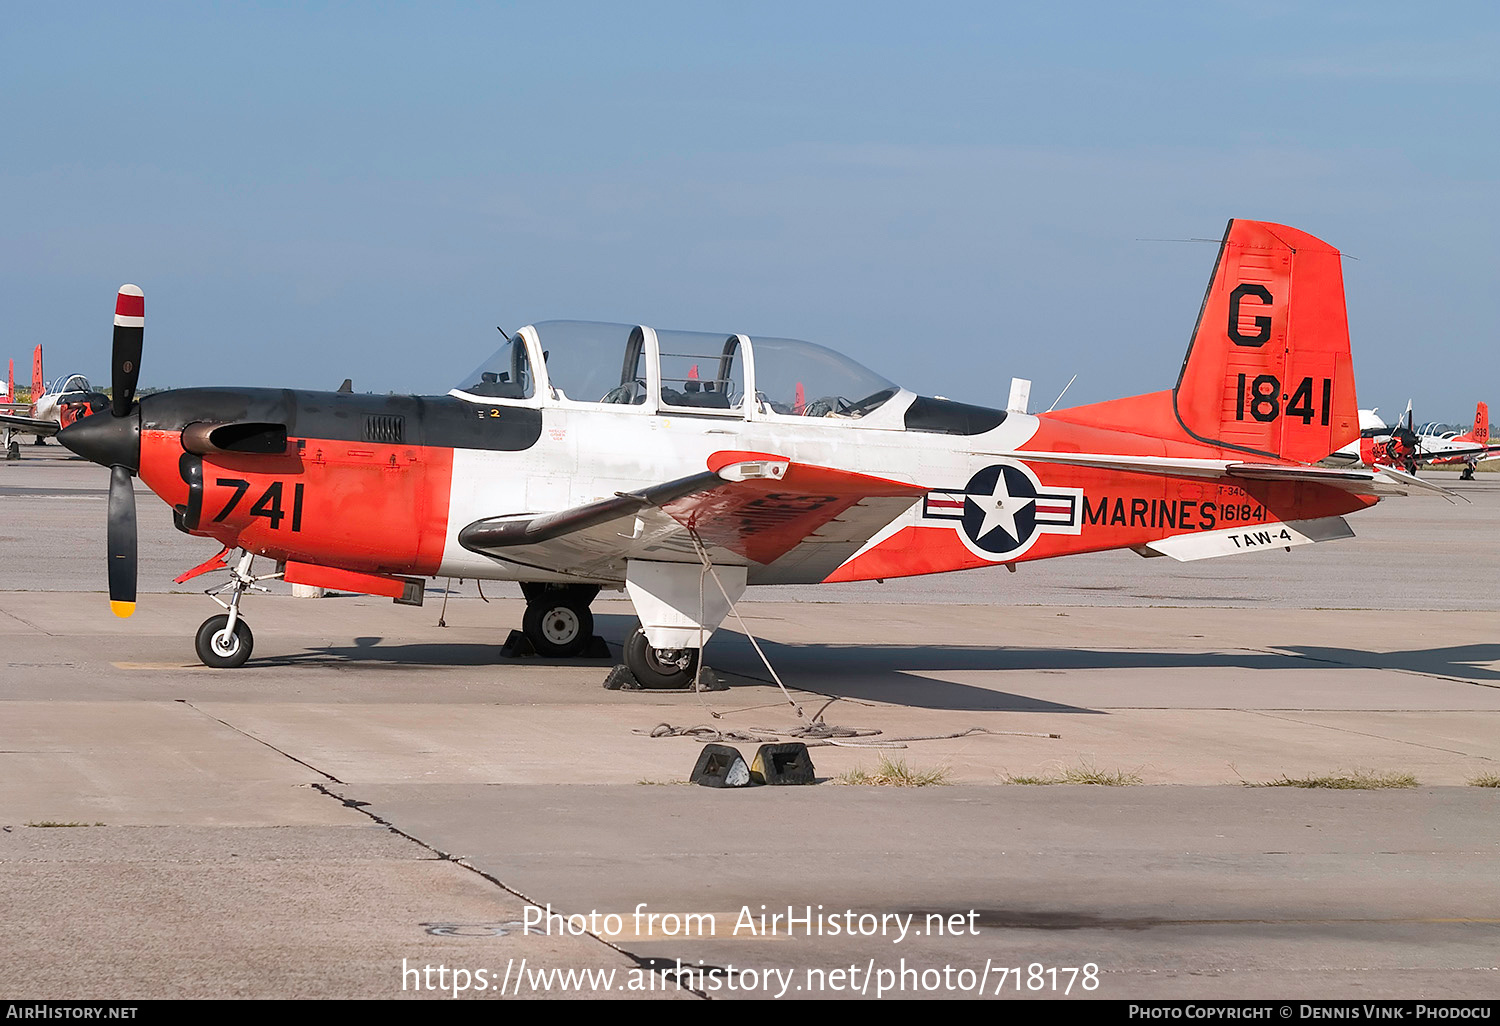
x: 558, y: 622
x: 224, y: 641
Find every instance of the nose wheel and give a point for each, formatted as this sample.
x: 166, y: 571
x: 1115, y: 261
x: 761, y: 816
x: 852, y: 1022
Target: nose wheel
x: 221, y: 646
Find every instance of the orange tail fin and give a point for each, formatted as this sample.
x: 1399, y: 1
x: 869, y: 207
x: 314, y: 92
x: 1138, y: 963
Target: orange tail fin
x: 38, y: 388
x: 1268, y: 370
x: 1481, y: 430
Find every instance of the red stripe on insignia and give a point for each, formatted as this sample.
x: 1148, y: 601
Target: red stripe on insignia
x: 127, y: 305
x: 946, y: 503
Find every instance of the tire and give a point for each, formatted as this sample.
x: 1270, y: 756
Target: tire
x: 224, y: 659
x: 652, y: 671
x: 558, y: 627
x: 538, y: 591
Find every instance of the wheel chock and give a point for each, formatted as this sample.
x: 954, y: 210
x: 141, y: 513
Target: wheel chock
x: 782, y: 764
x: 720, y: 766
x: 621, y: 679
x: 517, y: 644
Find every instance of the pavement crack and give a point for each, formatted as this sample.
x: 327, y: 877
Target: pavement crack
x: 22, y: 620
x: 1361, y: 733
x: 641, y: 961
x: 262, y: 741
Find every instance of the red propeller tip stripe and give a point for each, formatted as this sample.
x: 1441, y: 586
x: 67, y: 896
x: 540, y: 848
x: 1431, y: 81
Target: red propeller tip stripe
x: 131, y: 302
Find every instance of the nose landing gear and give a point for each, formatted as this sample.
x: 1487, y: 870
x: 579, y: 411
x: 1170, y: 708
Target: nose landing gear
x: 224, y: 641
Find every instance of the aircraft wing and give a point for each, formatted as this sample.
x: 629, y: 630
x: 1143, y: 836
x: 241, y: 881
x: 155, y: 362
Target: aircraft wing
x: 1484, y: 452
x: 750, y: 509
x: 29, y: 425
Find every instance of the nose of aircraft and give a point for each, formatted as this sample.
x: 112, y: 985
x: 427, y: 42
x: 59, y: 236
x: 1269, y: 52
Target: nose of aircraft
x: 107, y: 440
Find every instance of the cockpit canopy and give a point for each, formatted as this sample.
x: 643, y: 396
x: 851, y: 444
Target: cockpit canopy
x: 70, y: 383
x: 701, y: 372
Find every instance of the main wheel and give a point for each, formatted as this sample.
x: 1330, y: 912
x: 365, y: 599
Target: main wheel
x: 223, y: 654
x: 660, y: 668
x: 558, y: 627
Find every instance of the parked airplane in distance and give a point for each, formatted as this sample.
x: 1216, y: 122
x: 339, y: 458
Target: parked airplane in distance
x: 48, y: 410
x: 1405, y: 447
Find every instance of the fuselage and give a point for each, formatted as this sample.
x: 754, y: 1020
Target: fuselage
x: 385, y: 484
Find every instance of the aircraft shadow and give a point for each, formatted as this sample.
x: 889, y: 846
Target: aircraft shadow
x: 420, y: 655
x: 886, y: 672
x: 1461, y: 661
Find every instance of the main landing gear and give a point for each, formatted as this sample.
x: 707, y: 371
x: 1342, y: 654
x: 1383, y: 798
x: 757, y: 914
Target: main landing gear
x: 224, y: 641
x: 660, y: 668
x: 1468, y: 474
x: 558, y: 622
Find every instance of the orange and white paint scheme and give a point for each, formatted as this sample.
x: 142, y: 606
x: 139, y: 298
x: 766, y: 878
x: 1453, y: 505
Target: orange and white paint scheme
x: 584, y: 456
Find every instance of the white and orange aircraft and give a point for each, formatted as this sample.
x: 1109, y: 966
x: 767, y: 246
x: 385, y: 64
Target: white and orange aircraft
x: 48, y: 410
x: 1404, y: 446
x: 584, y: 456
x: 1470, y: 448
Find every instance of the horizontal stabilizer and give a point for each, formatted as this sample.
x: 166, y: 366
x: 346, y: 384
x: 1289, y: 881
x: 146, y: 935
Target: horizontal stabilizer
x: 1251, y: 538
x: 1360, y: 480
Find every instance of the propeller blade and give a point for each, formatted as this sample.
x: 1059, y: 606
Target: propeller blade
x: 121, y: 542
x: 125, y: 362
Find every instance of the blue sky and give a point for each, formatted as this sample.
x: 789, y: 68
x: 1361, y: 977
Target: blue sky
x: 952, y: 193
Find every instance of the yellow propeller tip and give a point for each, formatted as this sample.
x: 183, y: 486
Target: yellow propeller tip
x: 121, y: 609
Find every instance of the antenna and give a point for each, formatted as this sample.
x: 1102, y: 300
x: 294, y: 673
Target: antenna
x: 1062, y: 393
x: 502, y: 333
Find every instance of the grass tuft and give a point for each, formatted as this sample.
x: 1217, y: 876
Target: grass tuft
x: 1485, y: 780
x: 1351, y: 780
x: 895, y: 773
x: 58, y: 823
x: 1083, y: 773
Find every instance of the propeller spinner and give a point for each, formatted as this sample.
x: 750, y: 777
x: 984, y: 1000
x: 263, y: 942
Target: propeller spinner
x: 115, y: 442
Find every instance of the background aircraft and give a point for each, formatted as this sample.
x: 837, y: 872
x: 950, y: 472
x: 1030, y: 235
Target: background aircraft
x: 1470, y: 447
x: 583, y: 456
x: 48, y: 410
x: 1406, y: 447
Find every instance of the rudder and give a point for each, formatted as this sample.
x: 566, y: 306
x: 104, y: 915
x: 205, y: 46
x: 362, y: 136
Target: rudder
x: 1481, y: 430
x: 1268, y: 370
x: 38, y: 387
